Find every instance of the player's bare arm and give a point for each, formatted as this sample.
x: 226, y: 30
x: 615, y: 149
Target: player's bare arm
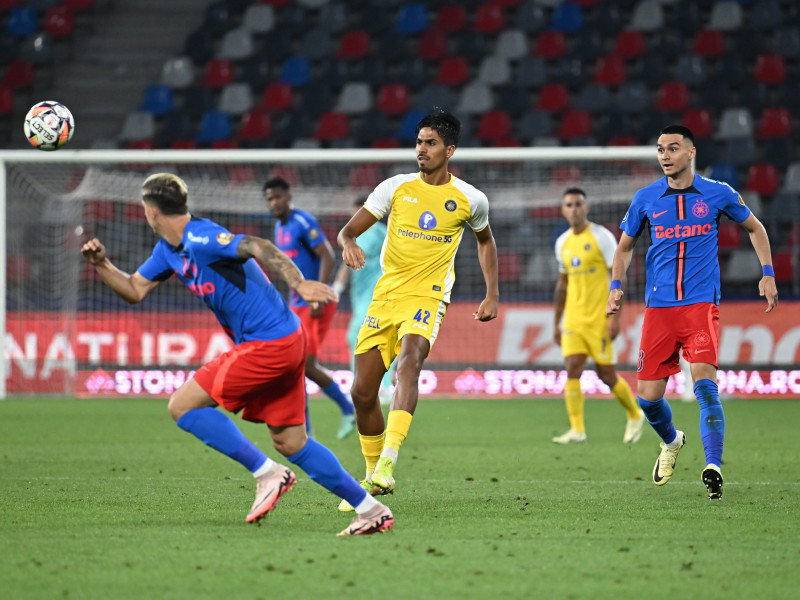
x: 266, y: 253
x: 327, y: 258
x: 559, y: 301
x: 352, y: 254
x: 131, y: 288
x: 760, y: 241
x: 487, y: 256
x: 622, y: 260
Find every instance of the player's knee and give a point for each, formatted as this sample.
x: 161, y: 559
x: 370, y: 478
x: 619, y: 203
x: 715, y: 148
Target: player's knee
x: 363, y: 397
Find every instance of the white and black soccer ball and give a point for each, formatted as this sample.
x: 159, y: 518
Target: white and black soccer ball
x: 49, y: 125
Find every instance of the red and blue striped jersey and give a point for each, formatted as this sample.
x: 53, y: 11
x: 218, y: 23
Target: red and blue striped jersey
x: 239, y: 293
x: 297, y: 238
x: 682, y: 265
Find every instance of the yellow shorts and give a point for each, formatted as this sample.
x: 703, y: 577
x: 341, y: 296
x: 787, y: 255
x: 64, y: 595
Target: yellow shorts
x: 592, y: 342
x: 387, y: 321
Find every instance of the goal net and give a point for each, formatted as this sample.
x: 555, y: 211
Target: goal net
x: 67, y: 333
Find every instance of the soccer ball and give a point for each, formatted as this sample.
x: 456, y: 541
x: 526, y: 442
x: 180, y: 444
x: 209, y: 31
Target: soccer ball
x: 49, y: 125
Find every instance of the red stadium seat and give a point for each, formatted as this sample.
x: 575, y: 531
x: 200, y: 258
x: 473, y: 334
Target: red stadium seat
x: 489, y: 18
x: 672, y: 95
x: 18, y: 267
x: 78, y: 5
x: 224, y: 144
x: 239, y: 175
x: 387, y: 143
x: 730, y: 235
x: 6, y: 100
x: 183, y: 145
x: 218, y: 73
x: 609, y: 70
x: 709, y: 43
x: 507, y: 3
x: 145, y: 144
x: 365, y: 175
x: 493, y: 125
x: 763, y: 178
x: 622, y: 140
x: 699, y: 121
x: 19, y: 74
x: 277, y: 96
x: 432, y: 45
x: 776, y: 121
x: 332, y: 126
x: 553, y: 97
x: 354, y: 44
x: 550, y: 45
x: 451, y: 17
x: 256, y: 125
x: 393, y: 99
x: 770, y: 68
x: 564, y: 175
x: 133, y: 212
x: 453, y: 70
x: 629, y: 44
x: 509, y: 266
x: 783, y: 264
x: 575, y: 123
x: 506, y: 141
x: 99, y: 210
x: 59, y: 22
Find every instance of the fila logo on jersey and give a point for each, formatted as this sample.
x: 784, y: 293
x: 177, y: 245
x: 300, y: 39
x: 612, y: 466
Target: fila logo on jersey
x: 427, y: 221
x: 409, y: 199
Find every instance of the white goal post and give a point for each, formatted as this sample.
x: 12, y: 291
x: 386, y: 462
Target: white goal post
x: 51, y: 305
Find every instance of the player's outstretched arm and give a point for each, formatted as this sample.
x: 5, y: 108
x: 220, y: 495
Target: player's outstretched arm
x: 760, y: 241
x: 131, y: 288
x: 487, y: 256
x: 352, y: 254
x: 277, y: 262
x: 622, y: 260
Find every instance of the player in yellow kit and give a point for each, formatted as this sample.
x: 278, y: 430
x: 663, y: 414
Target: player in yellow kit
x: 427, y: 213
x: 584, y: 254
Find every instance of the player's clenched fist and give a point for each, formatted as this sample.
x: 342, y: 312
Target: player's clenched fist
x: 94, y: 252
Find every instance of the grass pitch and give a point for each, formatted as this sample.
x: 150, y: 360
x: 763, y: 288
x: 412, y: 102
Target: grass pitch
x: 109, y: 499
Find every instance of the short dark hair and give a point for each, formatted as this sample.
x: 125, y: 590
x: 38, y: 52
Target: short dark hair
x: 679, y: 130
x: 168, y: 192
x: 276, y: 182
x: 445, y: 124
x: 574, y: 190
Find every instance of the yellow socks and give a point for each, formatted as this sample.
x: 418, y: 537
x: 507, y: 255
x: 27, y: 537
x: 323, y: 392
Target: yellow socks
x: 371, y: 447
x: 573, y: 395
x: 622, y: 392
x: 397, y: 425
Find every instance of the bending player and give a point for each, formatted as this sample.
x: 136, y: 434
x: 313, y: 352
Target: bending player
x: 682, y: 211
x: 263, y: 374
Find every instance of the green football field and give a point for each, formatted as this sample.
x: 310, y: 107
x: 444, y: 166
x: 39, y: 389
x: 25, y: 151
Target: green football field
x: 109, y: 499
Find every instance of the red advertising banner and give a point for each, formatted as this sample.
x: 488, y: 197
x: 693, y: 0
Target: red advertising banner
x: 54, y: 353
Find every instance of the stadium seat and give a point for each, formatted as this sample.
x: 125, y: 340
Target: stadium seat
x: 453, y: 70
x: 393, y: 99
x: 178, y: 126
x: 364, y: 175
x: 432, y: 45
x: 595, y: 97
x: 767, y: 16
x: 775, y: 122
x: 218, y: 73
x: 575, y: 124
x: 489, y: 18
x: 355, y: 97
x: 158, y: 100
x: 691, y: 69
x: 217, y: 18
x: 236, y: 98
x: 647, y: 16
x: 332, y: 126
x: 38, y: 48
x: 259, y: 18
x: 672, y: 96
x: 77, y: 6
x: 699, y: 121
x: 408, y: 125
x: 513, y: 99
x: 22, y: 21
x: 392, y: 48
x: 19, y: 75
x: 493, y: 125
x: 531, y: 17
x: 741, y: 152
x: 471, y: 45
x: 6, y: 101
x: 567, y: 17
x: 59, y: 22
x: 177, y: 72
x: 609, y: 70
x: 608, y: 21
x: 730, y: 235
x: 215, y: 125
x: 725, y: 16
x: 531, y: 73
x: 256, y: 126
x: 629, y: 44
x: 550, y: 45
x: 370, y: 70
x: 475, y: 98
x: 138, y: 125
x: 435, y: 95
x: 294, y: 20
x: 784, y: 266
x: 354, y: 44
x: 709, y: 43
x: 494, y: 71
x: 236, y: 45
x: 451, y: 17
x: 589, y: 45
x: 632, y: 97
x: 770, y: 68
x: 725, y: 172
x: 334, y: 17
x: 778, y: 151
x: 412, y: 19
x: 553, y: 97
x: 148, y: 144
x: 317, y: 98
x: 509, y: 266
x: 736, y: 122
x: 277, y: 96
x: 512, y: 44
x: 763, y: 178
x: 316, y: 44
x: 787, y: 42
x: 296, y: 71
x: 198, y: 100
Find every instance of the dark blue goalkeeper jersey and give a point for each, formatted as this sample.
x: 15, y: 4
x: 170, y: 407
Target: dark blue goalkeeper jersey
x: 246, y: 304
x: 682, y: 264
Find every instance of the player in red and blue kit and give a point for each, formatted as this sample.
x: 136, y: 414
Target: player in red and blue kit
x: 263, y: 374
x: 300, y: 237
x: 682, y: 212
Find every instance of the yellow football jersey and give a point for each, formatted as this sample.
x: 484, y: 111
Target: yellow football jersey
x: 425, y: 226
x: 586, y: 259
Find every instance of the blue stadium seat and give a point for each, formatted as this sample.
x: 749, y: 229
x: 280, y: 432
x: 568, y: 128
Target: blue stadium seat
x: 412, y: 19
x: 22, y: 21
x: 408, y: 125
x: 158, y: 100
x: 215, y: 125
x: 296, y: 71
x: 567, y: 17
